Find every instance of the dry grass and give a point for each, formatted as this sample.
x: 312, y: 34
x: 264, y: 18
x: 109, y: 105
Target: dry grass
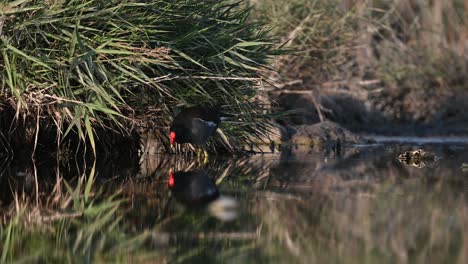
x: 371, y: 63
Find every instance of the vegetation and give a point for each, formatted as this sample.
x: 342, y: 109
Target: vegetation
x: 319, y: 34
x: 81, y: 79
x: 373, y: 63
x: 76, y: 70
x: 90, y: 77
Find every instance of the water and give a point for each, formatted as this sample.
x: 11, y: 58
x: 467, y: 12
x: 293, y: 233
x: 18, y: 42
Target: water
x: 363, y: 206
x: 420, y: 140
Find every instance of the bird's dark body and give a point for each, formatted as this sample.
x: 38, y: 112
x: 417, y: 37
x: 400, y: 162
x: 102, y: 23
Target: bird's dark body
x: 196, y: 124
x: 194, y: 187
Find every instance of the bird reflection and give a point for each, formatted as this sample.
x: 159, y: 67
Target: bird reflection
x: 196, y: 189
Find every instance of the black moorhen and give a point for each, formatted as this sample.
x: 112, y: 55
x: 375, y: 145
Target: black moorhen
x: 196, y: 190
x: 193, y: 187
x: 195, y: 124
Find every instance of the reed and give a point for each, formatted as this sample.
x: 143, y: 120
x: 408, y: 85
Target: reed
x: 87, y: 69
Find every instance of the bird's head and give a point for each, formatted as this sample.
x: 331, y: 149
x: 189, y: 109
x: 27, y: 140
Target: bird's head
x: 172, y: 135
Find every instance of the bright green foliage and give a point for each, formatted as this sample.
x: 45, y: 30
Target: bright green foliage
x: 86, y: 64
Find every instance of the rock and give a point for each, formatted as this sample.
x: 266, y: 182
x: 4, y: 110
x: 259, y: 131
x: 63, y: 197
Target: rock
x: 270, y: 143
x: 325, y: 136
x: 323, y: 132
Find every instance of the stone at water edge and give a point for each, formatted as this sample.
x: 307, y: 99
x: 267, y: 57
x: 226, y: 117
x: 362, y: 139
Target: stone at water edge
x: 323, y: 134
x: 320, y: 136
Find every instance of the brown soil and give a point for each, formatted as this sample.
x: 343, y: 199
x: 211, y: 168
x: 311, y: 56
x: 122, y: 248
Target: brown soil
x: 418, y: 112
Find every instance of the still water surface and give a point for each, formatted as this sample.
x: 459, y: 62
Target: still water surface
x: 364, y: 206
x: 300, y: 206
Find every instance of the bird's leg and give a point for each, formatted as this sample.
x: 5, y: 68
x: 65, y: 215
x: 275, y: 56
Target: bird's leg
x: 199, y: 155
x: 205, y: 157
x: 202, y: 153
x: 172, y: 149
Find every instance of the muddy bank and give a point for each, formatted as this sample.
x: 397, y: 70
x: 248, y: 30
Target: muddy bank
x: 385, y: 112
x: 324, y: 136
x: 383, y: 67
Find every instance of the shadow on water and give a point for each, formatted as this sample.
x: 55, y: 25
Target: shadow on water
x: 362, y: 206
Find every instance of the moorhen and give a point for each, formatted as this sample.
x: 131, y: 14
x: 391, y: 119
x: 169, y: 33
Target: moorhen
x: 197, y: 190
x: 194, y: 187
x: 195, y: 125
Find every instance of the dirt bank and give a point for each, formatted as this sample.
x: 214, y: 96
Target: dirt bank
x: 385, y: 111
x: 386, y: 67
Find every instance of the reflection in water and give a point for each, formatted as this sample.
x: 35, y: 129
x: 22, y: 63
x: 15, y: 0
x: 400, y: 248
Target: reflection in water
x: 196, y: 189
x: 193, y: 187
x: 224, y: 208
x: 364, y: 206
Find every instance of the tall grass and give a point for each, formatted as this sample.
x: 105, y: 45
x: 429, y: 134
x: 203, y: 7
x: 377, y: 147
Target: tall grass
x: 375, y: 61
x: 319, y: 34
x: 421, y: 41
x: 329, y: 36
x: 76, y: 67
